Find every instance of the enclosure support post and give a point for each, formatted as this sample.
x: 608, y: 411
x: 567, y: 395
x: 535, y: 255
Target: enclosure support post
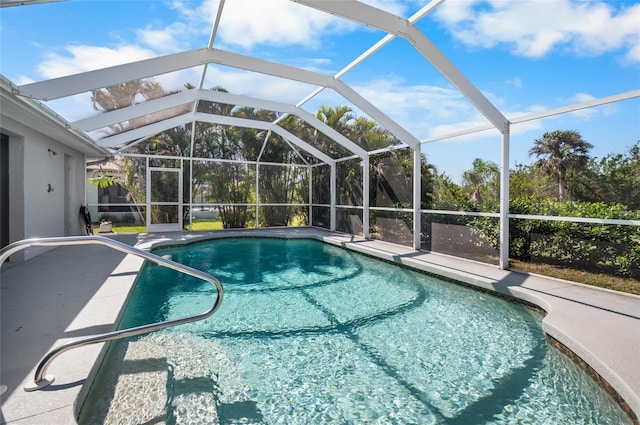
x: 148, y: 193
x: 504, y: 198
x: 417, y: 198
x: 257, y: 193
x: 365, y: 197
x: 333, y: 198
x: 190, y: 208
x: 310, y: 195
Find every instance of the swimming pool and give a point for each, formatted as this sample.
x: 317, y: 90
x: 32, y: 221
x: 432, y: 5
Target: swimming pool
x: 313, y: 334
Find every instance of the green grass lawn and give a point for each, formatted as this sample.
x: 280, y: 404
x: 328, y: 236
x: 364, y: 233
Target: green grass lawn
x: 622, y: 284
x: 204, y: 224
x: 198, y: 225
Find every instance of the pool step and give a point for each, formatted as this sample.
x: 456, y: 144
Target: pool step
x: 171, y: 377
x: 134, y: 392
x: 190, y: 383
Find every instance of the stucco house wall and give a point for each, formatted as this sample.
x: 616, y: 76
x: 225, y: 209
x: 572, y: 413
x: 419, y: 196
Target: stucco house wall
x: 47, y: 164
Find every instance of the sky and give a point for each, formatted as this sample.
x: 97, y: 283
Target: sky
x: 523, y: 56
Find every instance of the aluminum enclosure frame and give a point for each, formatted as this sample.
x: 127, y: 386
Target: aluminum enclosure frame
x: 364, y: 14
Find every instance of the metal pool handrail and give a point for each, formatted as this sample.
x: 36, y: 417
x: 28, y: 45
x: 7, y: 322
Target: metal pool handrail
x: 40, y: 381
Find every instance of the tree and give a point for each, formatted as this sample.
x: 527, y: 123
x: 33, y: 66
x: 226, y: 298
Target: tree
x: 276, y: 184
x: 233, y: 184
x: 127, y: 94
x: 447, y: 195
x: 483, y: 173
x: 614, y: 179
x: 121, y: 96
x: 561, y: 151
x: 340, y: 119
x: 529, y: 182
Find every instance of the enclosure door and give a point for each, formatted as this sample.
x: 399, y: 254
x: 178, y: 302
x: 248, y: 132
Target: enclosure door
x: 164, y: 199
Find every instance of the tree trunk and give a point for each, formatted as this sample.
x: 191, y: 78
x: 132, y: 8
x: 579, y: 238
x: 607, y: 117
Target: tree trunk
x: 475, y: 196
x: 562, y: 189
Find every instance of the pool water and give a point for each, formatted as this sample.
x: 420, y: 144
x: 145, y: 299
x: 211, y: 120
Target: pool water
x: 309, y: 333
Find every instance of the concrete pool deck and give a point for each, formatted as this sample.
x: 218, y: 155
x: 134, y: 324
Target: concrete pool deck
x: 77, y: 291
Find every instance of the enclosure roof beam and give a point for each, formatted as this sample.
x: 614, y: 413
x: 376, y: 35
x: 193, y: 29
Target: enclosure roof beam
x: 577, y: 106
x: 386, y: 122
x: 145, y: 131
x: 234, y: 99
x: 328, y: 131
x: 11, y: 3
x: 263, y: 125
x: 124, y: 114
x: 539, y: 115
x: 149, y: 107
x: 371, y: 50
x: 347, y: 92
x: 170, y: 123
x: 392, y: 24
x: 212, y: 38
x: 264, y: 145
x: 69, y: 85
x: 387, y: 38
x: 92, y: 80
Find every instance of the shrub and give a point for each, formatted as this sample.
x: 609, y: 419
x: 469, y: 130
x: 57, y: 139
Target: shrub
x: 598, y: 247
x: 128, y: 218
x: 106, y: 217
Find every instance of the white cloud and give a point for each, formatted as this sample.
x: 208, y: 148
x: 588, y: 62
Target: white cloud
x: 319, y: 65
x: 515, y: 82
x: 424, y: 110
x: 73, y: 108
x: 249, y: 23
x: 430, y: 111
x: 397, y: 97
x: 23, y: 79
x: 256, y: 85
x: 166, y: 40
x: 590, y: 113
x: 204, y: 13
x: 80, y: 58
x: 533, y: 28
x: 176, y: 80
x: 244, y: 22
x: 391, y: 6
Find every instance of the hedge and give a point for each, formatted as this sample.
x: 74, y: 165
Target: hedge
x: 608, y: 248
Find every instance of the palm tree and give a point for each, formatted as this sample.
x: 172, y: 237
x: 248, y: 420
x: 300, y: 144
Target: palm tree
x: 336, y: 118
x: 340, y: 119
x: 483, y: 172
x: 127, y: 94
x: 561, y: 151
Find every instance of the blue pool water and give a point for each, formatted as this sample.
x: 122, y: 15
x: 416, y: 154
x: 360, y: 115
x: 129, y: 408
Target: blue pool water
x: 313, y: 334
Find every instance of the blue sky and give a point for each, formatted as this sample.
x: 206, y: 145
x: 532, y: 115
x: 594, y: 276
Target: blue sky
x: 524, y: 56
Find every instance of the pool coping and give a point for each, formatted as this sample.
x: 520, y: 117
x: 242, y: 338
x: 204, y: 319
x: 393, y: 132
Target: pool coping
x: 599, y: 326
